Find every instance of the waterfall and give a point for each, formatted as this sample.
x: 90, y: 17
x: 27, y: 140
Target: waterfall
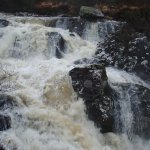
x: 123, y: 111
x: 46, y: 113
x: 98, y: 31
x: 128, y: 114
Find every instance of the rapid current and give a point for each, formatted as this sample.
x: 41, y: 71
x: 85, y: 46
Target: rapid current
x: 49, y: 116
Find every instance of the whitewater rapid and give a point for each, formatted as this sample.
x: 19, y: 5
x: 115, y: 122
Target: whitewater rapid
x: 49, y: 116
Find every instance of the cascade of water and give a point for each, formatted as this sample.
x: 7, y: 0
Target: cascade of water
x: 48, y: 115
x: 123, y: 111
x: 98, y: 31
x: 128, y: 114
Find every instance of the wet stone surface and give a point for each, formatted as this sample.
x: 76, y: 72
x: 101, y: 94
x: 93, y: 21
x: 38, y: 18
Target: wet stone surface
x: 7, y: 103
x: 56, y: 44
x: 90, y: 83
x: 126, y: 50
x: 3, y: 23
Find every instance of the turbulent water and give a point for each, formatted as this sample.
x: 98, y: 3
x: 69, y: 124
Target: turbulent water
x: 49, y: 116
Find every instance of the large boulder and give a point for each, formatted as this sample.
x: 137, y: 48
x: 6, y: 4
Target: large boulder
x: 113, y: 107
x: 56, y: 45
x: 126, y: 50
x: 90, y: 13
x: 90, y: 83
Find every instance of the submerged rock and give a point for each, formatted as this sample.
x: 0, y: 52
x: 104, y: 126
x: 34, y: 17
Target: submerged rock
x: 73, y: 24
x: 56, y: 45
x: 3, y: 23
x: 90, y: 83
x: 7, y: 102
x: 5, y: 122
x: 90, y: 13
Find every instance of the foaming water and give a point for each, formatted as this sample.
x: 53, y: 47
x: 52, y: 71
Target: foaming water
x: 49, y: 116
x: 119, y: 76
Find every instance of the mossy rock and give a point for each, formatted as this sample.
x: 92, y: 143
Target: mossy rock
x: 90, y: 13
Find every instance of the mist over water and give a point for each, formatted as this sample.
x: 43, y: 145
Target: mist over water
x: 49, y: 116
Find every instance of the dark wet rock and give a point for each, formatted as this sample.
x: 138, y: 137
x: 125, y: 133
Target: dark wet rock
x: 90, y: 73
x: 5, y: 122
x: 90, y: 83
x: 126, y: 50
x: 3, y: 23
x: 105, y: 103
x: 72, y: 34
x: 7, y: 102
x: 82, y: 26
x: 73, y: 24
x: 56, y: 44
x: 137, y: 100
x: 90, y: 13
x: 1, y: 147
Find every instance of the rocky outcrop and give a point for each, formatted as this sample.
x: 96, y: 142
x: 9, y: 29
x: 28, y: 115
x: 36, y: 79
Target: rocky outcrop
x: 56, y: 45
x: 3, y: 23
x: 90, y: 13
x: 126, y: 50
x: 90, y: 83
x: 105, y: 103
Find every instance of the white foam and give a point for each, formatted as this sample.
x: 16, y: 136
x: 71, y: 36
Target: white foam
x: 56, y: 121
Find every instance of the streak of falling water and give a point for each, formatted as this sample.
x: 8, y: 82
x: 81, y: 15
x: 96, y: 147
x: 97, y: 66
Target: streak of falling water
x: 48, y: 116
x: 123, y: 111
x: 124, y: 117
x: 98, y: 31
